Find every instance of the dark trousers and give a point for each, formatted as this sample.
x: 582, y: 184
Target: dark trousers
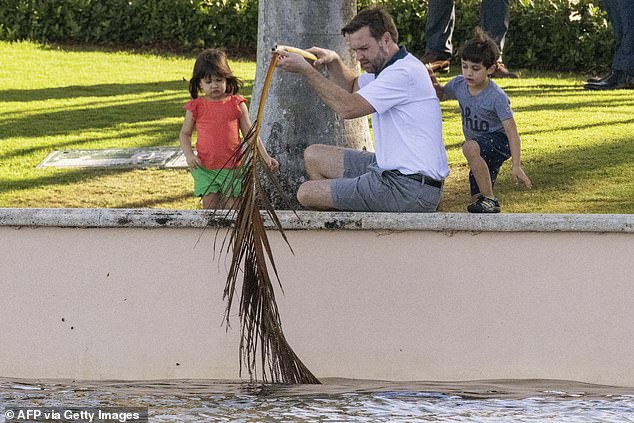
x: 621, y: 15
x: 441, y: 17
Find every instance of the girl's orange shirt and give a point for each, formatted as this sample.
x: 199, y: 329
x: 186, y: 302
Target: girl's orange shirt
x: 218, y: 128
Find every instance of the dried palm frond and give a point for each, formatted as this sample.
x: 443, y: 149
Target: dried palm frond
x: 248, y: 245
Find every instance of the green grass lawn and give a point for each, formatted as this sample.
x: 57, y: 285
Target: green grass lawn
x: 577, y: 146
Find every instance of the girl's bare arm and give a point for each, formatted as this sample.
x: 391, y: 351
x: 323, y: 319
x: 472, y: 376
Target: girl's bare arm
x: 185, y: 138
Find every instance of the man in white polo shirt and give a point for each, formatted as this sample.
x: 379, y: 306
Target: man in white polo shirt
x: 407, y: 171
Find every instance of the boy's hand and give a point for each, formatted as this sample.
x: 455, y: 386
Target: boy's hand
x: 517, y: 173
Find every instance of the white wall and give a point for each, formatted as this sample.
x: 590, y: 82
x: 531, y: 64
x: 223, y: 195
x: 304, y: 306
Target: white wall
x: 130, y: 301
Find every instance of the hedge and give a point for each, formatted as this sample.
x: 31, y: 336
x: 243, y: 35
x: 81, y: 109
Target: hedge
x: 179, y: 24
x: 544, y: 34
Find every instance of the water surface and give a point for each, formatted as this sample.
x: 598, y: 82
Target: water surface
x: 336, y: 400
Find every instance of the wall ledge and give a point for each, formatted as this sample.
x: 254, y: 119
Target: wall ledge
x: 312, y: 220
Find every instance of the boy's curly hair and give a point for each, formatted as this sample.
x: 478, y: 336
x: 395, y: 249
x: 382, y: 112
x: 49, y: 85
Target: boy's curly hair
x: 481, y: 49
x: 213, y: 62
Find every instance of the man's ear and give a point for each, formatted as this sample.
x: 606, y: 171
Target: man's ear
x: 385, y: 38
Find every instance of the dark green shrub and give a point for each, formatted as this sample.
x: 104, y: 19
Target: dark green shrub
x: 178, y: 23
x: 542, y: 34
x: 559, y: 35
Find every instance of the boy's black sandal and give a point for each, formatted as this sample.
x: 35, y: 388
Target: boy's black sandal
x: 484, y: 205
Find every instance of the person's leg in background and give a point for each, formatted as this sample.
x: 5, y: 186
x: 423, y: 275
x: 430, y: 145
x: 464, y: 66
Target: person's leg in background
x: 621, y: 15
x: 610, y: 8
x: 494, y: 19
x: 623, y: 22
x: 441, y: 17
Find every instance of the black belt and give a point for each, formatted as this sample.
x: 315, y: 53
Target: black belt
x: 420, y: 178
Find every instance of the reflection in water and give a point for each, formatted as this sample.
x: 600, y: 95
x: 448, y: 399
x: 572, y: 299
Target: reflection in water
x: 337, y: 400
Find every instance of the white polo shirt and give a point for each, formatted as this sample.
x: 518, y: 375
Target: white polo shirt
x: 407, y: 124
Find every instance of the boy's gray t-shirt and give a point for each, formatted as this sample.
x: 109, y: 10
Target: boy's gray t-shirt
x: 481, y: 113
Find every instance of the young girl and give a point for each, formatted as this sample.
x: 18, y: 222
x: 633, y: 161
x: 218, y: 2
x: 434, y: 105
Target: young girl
x: 488, y: 125
x: 218, y: 116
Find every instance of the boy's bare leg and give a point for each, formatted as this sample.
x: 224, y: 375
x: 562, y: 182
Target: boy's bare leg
x: 479, y: 168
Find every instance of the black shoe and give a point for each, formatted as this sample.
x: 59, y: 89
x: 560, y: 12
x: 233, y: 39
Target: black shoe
x: 618, y: 80
x: 484, y: 205
x: 596, y: 79
x: 501, y: 71
x: 437, y: 62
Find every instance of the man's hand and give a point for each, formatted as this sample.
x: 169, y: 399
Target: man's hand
x: 293, y: 62
x: 324, y: 56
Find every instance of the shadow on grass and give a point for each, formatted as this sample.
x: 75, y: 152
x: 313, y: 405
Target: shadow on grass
x: 78, y: 176
x: 577, y: 163
x: 578, y: 127
x: 164, y: 49
x: 541, y: 90
x: 96, y: 116
x: 70, y: 177
x: 575, y: 105
x: 60, y: 122
x: 67, y: 177
x: 555, y: 172
x: 99, y: 90
x: 162, y: 135
x: 104, y: 90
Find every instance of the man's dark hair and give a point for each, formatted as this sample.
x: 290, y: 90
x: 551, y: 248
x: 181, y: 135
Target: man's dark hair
x: 377, y: 19
x: 481, y: 49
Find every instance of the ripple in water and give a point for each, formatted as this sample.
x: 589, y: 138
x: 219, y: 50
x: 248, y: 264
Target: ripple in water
x: 337, y: 400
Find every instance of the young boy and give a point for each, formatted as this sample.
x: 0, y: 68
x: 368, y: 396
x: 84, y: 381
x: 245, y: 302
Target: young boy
x: 490, y: 131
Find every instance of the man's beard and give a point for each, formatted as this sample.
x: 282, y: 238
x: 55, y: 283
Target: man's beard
x: 379, y: 62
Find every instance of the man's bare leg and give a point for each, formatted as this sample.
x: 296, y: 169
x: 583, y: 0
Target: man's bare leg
x: 316, y: 195
x: 322, y: 163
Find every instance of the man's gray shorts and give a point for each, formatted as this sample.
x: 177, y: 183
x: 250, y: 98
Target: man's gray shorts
x: 365, y: 187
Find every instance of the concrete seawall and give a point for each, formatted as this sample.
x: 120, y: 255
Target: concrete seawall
x: 137, y: 294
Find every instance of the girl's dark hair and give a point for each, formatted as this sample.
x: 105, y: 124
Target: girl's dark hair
x: 481, y: 49
x: 377, y: 19
x: 209, y: 63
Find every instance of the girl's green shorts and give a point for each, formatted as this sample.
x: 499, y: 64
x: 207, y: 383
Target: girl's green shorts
x: 225, y: 181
